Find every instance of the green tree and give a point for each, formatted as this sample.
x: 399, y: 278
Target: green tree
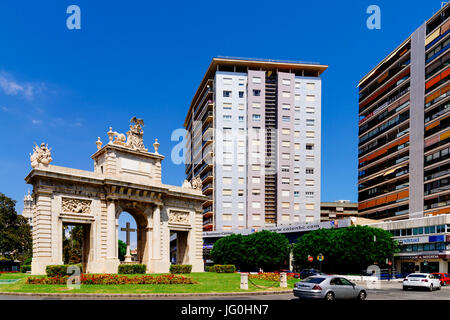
x: 122, y: 250
x: 267, y: 250
x: 264, y: 249
x: 15, y: 232
x: 346, y: 250
x: 229, y: 250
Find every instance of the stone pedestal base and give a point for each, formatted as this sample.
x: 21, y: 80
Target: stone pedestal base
x: 38, y: 265
x: 111, y: 266
x: 158, y: 266
x: 128, y: 255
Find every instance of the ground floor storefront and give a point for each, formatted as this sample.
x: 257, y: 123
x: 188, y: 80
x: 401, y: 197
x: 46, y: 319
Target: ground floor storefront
x: 423, y: 263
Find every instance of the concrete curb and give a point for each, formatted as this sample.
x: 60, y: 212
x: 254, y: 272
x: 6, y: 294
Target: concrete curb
x: 142, y: 295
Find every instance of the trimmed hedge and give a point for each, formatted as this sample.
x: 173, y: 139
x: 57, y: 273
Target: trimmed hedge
x: 222, y: 268
x: 60, y: 270
x: 132, y: 268
x: 180, y: 268
x: 25, y: 268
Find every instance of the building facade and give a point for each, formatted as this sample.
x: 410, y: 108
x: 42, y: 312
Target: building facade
x: 338, y: 210
x: 404, y: 127
x: 253, y: 138
x: 424, y: 243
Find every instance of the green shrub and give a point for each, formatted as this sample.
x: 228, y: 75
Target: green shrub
x: 180, y: 268
x: 210, y: 269
x: 132, y: 268
x: 60, y: 270
x: 27, y: 261
x: 25, y: 267
x: 227, y: 268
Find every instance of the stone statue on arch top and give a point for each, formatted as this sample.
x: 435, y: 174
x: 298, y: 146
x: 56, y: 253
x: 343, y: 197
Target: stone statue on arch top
x: 135, y: 136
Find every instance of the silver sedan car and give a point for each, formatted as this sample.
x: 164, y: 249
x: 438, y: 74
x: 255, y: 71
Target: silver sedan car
x: 329, y: 288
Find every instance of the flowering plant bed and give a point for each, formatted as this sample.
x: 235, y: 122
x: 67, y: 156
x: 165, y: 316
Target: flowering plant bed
x: 114, y: 279
x: 272, y: 276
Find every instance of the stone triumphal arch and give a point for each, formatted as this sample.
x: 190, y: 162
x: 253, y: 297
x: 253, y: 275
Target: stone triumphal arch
x: 126, y: 177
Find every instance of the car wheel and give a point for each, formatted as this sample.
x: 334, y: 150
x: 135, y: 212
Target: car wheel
x: 329, y: 296
x: 431, y: 287
x: 362, y: 295
x: 405, y: 288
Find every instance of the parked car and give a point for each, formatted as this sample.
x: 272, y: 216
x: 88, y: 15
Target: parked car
x: 305, y: 273
x: 329, y: 288
x: 421, y: 281
x: 443, y: 277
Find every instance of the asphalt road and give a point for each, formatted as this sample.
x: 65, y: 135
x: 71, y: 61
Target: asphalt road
x: 387, y: 291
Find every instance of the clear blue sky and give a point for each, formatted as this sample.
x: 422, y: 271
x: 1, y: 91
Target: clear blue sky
x: 145, y: 58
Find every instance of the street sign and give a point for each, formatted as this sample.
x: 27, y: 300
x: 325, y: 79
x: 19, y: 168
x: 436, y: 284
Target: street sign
x: 310, y: 258
x: 320, y: 257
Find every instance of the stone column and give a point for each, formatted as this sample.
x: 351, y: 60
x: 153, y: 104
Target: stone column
x: 43, y: 232
x: 156, y: 236
x: 112, y: 260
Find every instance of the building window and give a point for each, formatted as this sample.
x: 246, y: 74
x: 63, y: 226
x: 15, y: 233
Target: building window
x: 285, y: 180
x: 256, y: 105
x: 241, y: 180
x: 286, y: 131
x: 256, y: 179
x: 240, y: 168
x: 227, y: 204
x: 256, y: 92
x: 286, y: 106
x: 256, y: 117
x: 256, y: 205
x: 286, y: 82
x: 310, y: 109
x: 256, y: 192
x: 227, y: 106
x: 296, y: 157
x: 296, y: 194
x: 285, y: 193
x: 227, y: 81
x: 296, y: 182
x: 297, y: 97
x: 310, y: 134
x: 240, y: 205
x: 296, y: 170
x: 227, y: 192
x: 309, y: 146
x: 297, y: 146
x: 309, y: 206
x: 227, y: 167
x: 241, y: 94
x: 227, y: 117
x: 241, y: 118
x: 309, y: 157
x: 310, y: 122
x: 309, y: 194
x: 286, y: 118
x: 241, y: 106
x: 256, y: 80
x: 310, y: 97
x: 256, y: 167
x: 227, y: 180
x: 226, y: 94
x: 309, y: 182
x: 310, y: 86
x: 286, y: 94
x: 286, y: 144
x: 285, y: 156
x: 240, y: 193
x: 309, y: 171
x: 285, y: 168
x: 285, y: 205
x: 309, y: 219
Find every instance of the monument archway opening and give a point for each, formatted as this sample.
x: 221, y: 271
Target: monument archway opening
x: 76, y: 243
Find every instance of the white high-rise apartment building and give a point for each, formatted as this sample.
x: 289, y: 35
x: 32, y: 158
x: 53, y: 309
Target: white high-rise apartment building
x: 254, y: 139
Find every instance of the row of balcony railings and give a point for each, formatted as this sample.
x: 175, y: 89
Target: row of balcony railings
x: 392, y: 94
x: 384, y: 127
x: 388, y: 75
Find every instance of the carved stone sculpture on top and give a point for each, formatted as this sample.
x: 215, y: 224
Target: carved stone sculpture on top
x: 186, y: 184
x: 135, y: 136
x: 197, y: 183
x: 41, y: 155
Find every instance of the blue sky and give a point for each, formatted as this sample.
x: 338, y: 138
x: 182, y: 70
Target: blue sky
x: 67, y: 87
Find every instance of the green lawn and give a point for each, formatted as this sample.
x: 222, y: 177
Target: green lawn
x: 207, y: 282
